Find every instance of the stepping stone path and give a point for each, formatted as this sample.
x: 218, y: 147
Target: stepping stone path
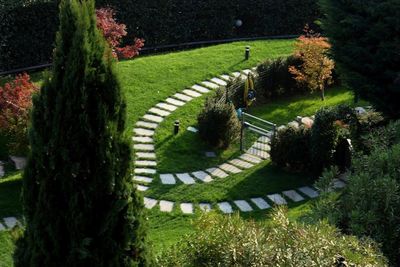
x: 146, y: 162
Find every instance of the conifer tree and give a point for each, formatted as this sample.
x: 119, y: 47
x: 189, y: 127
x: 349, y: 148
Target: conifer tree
x: 80, y: 204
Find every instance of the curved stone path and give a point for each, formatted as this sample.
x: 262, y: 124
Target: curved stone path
x: 146, y: 163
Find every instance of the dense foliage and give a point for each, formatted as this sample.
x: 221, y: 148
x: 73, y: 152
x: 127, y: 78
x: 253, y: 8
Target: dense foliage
x: 218, y: 122
x: 15, y: 105
x: 231, y: 241
x: 159, y: 22
x: 365, y: 37
x: 81, y: 206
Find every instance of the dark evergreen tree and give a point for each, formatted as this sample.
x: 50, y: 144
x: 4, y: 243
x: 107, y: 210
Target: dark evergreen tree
x: 365, y: 37
x: 80, y: 204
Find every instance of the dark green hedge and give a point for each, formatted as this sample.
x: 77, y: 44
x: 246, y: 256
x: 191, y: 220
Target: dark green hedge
x: 28, y: 32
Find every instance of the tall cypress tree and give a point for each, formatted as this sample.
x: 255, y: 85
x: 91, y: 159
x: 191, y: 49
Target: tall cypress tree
x: 80, y: 204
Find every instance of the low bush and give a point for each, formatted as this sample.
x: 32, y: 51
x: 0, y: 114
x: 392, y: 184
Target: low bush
x: 218, y: 123
x: 290, y: 148
x: 231, y: 241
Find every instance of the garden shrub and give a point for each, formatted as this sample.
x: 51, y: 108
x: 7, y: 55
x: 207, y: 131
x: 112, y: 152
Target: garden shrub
x: 290, y: 148
x: 218, y: 123
x: 231, y: 241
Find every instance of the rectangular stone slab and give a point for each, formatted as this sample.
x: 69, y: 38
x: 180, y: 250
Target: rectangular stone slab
x: 142, y: 139
x: 210, y: 85
x: 200, y: 89
x: 229, y: 168
x: 145, y: 163
x: 143, y: 132
x: 225, y: 207
x: 143, y: 147
x: 159, y: 112
x: 145, y: 155
x: 153, y: 118
x: 337, y: 184
x: 142, y: 188
x: 225, y: 77
x: 143, y: 179
x: 308, y: 191
x: 277, y: 199
x: 183, y: 97
x: 187, y: 208
x: 251, y: 158
x: 144, y: 171
x: 217, y: 172
x: 243, y: 205
x: 219, y: 82
x: 264, y: 139
x: 247, y: 71
x: 166, y: 206
x: 261, y: 203
x: 261, y: 146
x: 185, y: 178
x: 192, y: 129
x: 145, y: 124
x: 203, y: 176
x: 236, y: 74
x: 167, y: 178
x: 174, y: 102
x: 149, y: 203
x: 206, y: 207
x: 293, y: 195
x: 240, y: 163
x: 258, y: 153
x: 10, y: 222
x: 191, y: 93
x: 2, y: 227
x: 166, y: 106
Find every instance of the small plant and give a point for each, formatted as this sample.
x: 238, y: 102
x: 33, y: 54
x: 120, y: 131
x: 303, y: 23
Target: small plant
x: 316, y: 70
x: 15, y: 105
x: 114, y: 32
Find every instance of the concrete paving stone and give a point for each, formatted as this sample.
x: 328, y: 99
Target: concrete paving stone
x: 143, y: 132
x: 253, y: 68
x: 243, y: 205
x: 210, y: 85
x: 293, y: 195
x: 337, y: 184
x: 242, y: 164
x: 142, y: 188
x: 219, y: 82
x: 206, y: 207
x: 143, y: 147
x: 187, y: 208
x: 19, y: 162
x: 149, y: 203
x: 210, y: 154
x: 144, y: 171
x: 225, y: 77
x: 277, y: 199
x: 308, y: 191
x: 159, y: 112
x: 10, y: 222
x: 183, y: 97
x: 294, y: 124
x: 261, y: 146
x: 174, y: 102
x: 145, y: 124
x: 191, y: 93
x: 143, y: 179
x: 145, y: 163
x: 142, y: 139
x: 260, y: 203
x: 200, y: 89
x: 247, y: 71
x: 153, y: 118
x: 2, y: 172
x: 203, y: 176
x: 251, y: 158
x: 166, y: 206
x: 217, y: 172
x: 167, y: 178
x: 185, y: 178
x: 166, y: 106
x: 2, y: 227
x: 225, y: 207
x: 236, y: 74
x: 145, y: 155
x: 264, y: 139
x: 258, y: 153
x: 229, y: 168
x: 192, y: 129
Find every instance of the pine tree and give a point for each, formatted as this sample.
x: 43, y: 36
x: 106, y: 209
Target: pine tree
x: 80, y: 204
x: 365, y: 37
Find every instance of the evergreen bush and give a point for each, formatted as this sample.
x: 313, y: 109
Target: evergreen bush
x: 80, y: 203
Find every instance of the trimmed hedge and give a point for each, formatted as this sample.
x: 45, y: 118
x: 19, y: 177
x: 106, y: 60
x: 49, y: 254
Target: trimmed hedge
x: 28, y: 32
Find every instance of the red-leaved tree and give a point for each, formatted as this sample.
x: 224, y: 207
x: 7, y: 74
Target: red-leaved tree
x: 15, y: 104
x: 114, y: 32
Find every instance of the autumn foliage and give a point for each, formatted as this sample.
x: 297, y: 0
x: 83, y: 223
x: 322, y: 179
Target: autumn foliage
x: 114, y: 32
x: 316, y: 70
x: 15, y: 104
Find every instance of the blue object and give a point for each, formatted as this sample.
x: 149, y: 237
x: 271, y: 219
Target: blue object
x: 239, y: 112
